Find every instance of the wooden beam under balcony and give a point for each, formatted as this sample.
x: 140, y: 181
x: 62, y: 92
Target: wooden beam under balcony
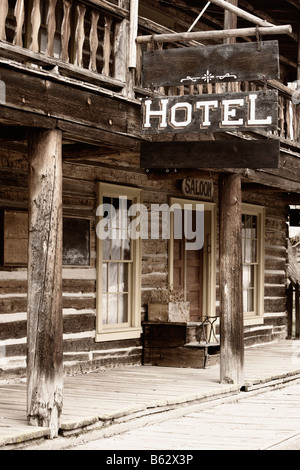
x: 83, y: 114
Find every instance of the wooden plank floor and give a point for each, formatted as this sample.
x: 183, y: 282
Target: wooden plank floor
x: 266, y: 421
x: 121, y: 394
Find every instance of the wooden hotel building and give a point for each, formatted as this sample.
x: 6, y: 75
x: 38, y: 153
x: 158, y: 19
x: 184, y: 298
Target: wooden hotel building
x: 71, y: 94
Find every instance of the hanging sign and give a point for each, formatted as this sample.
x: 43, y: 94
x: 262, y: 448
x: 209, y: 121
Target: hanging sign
x: 211, y: 64
x: 247, y: 111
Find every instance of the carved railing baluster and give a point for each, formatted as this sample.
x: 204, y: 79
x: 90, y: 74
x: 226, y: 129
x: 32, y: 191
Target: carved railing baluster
x: 65, y: 31
x: 106, y: 45
x: 51, y: 27
x: 3, y: 15
x: 19, y: 15
x: 120, y: 50
x: 281, y: 116
x: 93, y: 41
x: 80, y: 35
x: 35, y: 25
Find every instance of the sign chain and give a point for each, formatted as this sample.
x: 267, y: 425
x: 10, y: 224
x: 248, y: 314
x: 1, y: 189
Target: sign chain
x: 152, y: 43
x: 258, y: 40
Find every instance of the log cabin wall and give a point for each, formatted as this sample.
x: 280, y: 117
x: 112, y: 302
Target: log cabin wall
x: 81, y: 352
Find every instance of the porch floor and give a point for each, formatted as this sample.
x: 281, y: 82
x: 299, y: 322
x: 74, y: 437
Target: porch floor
x: 112, y: 401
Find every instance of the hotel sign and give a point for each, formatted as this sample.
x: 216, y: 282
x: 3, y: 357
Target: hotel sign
x: 247, y: 111
x: 252, y: 111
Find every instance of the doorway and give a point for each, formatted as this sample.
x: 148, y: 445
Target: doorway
x: 193, y: 270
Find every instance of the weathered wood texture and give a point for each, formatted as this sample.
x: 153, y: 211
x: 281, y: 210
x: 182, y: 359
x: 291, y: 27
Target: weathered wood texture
x: 122, y: 396
x: 211, y: 154
x: 44, y: 324
x: 231, y: 303
x: 76, y: 106
x: 225, y: 63
x: 230, y: 21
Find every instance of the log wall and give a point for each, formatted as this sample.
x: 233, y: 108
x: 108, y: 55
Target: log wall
x: 81, y: 353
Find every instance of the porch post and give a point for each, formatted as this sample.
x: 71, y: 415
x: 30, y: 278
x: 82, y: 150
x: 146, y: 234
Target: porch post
x: 44, y: 322
x: 231, y: 307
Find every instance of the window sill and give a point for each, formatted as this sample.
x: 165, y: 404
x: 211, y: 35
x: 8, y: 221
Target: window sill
x: 254, y: 320
x: 128, y: 333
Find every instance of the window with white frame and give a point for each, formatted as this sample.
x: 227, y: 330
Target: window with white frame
x: 253, y: 262
x: 118, y: 264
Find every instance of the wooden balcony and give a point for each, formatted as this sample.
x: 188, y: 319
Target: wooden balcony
x: 87, y: 42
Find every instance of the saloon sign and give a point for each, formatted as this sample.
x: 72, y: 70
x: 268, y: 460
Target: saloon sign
x: 211, y: 113
x: 202, y: 188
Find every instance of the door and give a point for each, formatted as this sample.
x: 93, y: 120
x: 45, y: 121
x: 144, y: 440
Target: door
x: 188, y: 275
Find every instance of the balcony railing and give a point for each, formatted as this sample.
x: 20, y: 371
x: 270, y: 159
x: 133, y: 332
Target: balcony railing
x: 88, y: 40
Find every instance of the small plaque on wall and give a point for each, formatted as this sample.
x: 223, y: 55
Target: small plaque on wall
x: 199, y: 188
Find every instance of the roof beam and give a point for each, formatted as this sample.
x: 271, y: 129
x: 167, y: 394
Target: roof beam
x: 295, y: 3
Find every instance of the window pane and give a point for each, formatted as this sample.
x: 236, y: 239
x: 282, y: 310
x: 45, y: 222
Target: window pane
x: 104, y: 309
x: 113, y: 277
x: 126, y: 249
x: 116, y: 246
x: 112, y: 308
x: 254, y: 251
x: 250, y: 301
x: 123, y: 277
x: 123, y: 308
x: 104, y: 277
x: 106, y: 248
x: 248, y: 277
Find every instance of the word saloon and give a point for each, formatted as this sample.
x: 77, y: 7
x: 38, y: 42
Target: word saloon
x: 213, y: 113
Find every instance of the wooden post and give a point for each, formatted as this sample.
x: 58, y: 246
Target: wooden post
x: 297, y: 311
x: 133, y: 29
x: 231, y: 307
x: 230, y: 22
x: 44, y: 323
x: 289, y: 307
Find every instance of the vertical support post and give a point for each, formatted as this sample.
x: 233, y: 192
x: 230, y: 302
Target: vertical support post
x: 230, y: 21
x: 231, y: 300
x: 44, y: 323
x: 297, y: 310
x: 298, y: 57
x: 133, y: 29
x: 289, y: 307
